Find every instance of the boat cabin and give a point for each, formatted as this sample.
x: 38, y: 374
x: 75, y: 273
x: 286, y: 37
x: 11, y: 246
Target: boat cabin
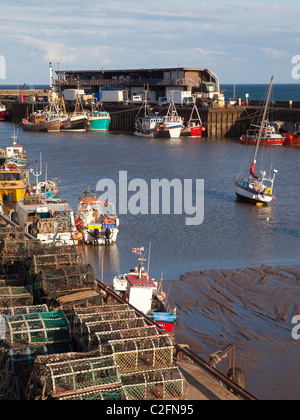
x: 140, y: 290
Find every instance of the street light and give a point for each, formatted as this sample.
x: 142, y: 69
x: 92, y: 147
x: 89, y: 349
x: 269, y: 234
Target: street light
x: 233, y: 78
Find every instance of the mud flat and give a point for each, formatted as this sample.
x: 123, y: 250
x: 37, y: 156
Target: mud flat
x: 252, y: 309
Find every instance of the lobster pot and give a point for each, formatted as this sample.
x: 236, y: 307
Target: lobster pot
x: 12, y: 232
x: 96, y: 310
x: 73, y: 376
x: 80, y: 319
x: 88, y: 339
x: 111, y: 394
x: 134, y: 353
x: 48, y: 258
x: 44, y: 327
x: 20, y: 310
x: 147, y: 331
x: 20, y: 362
x: 15, y: 296
x: 160, y: 384
x: 11, y: 250
x: 63, y: 281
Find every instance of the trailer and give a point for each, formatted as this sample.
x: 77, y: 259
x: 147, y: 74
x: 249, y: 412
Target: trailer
x: 114, y: 96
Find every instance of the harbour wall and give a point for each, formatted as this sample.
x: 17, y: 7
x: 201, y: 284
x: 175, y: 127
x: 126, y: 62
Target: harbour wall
x: 219, y: 122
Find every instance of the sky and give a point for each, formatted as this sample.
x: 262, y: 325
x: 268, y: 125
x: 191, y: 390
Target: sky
x: 247, y: 41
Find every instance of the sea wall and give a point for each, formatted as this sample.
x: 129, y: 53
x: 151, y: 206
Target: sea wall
x: 219, y: 122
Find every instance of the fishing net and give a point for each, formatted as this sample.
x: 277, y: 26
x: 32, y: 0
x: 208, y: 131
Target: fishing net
x: 160, y: 384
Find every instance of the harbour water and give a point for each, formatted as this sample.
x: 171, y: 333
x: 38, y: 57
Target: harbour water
x: 233, y: 235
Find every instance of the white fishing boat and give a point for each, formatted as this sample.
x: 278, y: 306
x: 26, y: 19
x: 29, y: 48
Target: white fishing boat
x: 45, y: 189
x: 50, y: 221
x: 154, y: 125
x: 15, y: 155
x: 257, y: 189
x: 3, y: 112
x: 145, y: 293
x: 96, y: 220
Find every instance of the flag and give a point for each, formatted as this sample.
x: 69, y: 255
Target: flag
x: 140, y: 251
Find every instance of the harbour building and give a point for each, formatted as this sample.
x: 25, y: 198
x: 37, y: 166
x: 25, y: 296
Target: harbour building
x: 159, y: 82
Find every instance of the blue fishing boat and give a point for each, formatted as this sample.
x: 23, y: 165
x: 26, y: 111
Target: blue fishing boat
x: 98, y: 120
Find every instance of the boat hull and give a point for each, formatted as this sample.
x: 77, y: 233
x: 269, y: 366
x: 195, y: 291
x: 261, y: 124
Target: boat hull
x: 265, y: 141
x: 2, y: 115
x: 292, y: 139
x: 16, y: 163
x: 46, y: 127
x: 193, y: 132
x: 251, y: 197
x: 74, y: 125
x: 99, y: 124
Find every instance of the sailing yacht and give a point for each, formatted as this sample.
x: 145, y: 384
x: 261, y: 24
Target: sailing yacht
x: 257, y: 189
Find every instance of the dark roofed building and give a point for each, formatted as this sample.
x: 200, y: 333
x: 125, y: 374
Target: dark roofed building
x: 158, y: 81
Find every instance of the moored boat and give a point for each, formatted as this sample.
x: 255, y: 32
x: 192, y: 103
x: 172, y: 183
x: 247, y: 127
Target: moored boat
x: 193, y: 128
x: 269, y: 136
x: 41, y: 122
x: 145, y: 294
x: 3, y: 112
x: 257, y: 189
x: 96, y: 220
x: 154, y: 125
x: 48, y: 220
x: 13, y: 186
x: 16, y: 155
x: 98, y: 119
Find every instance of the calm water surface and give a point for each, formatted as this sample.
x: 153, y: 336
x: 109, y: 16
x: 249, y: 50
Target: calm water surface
x: 233, y: 234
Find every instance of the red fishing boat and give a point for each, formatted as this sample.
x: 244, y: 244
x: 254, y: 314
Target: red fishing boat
x: 193, y: 127
x: 269, y: 136
x: 3, y: 112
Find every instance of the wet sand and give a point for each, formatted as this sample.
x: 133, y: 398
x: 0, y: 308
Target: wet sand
x: 252, y: 309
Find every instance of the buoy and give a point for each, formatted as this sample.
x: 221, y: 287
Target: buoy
x: 259, y: 204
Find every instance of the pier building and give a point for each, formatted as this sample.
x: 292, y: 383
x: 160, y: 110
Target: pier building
x: 158, y: 81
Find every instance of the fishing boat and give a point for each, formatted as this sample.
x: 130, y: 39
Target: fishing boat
x: 15, y: 156
x: 45, y: 189
x: 154, y: 125
x: 3, y: 112
x: 96, y: 220
x: 193, y: 128
x: 72, y: 121
x: 14, y: 184
x: 41, y: 121
x: 257, y: 189
x: 145, y: 293
x: 48, y: 220
x: 98, y: 119
x: 269, y: 136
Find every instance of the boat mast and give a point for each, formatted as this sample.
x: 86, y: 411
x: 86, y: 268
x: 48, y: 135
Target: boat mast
x: 263, y: 120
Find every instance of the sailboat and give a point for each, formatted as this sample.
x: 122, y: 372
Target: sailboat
x: 257, y: 189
